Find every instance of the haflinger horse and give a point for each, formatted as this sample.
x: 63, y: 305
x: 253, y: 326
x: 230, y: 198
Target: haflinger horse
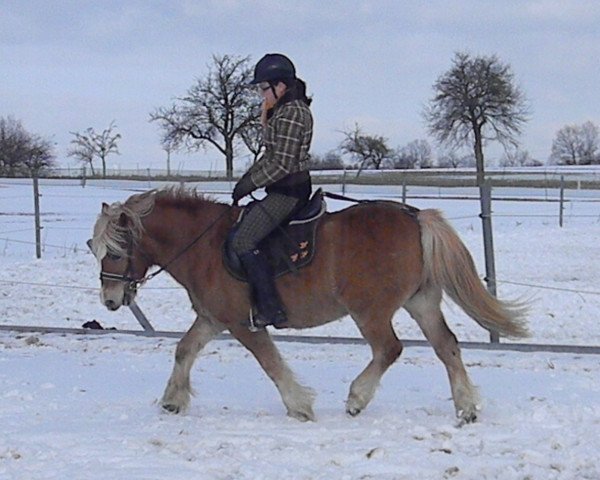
x: 371, y: 259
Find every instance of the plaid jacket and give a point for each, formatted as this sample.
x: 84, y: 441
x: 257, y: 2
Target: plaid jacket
x: 286, y: 139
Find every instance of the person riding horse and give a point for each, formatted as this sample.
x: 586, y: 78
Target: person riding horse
x: 283, y: 169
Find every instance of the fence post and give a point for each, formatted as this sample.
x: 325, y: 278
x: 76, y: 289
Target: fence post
x: 344, y: 183
x: 404, y: 190
x: 36, y: 207
x: 561, y: 206
x: 488, y: 243
x: 83, y: 176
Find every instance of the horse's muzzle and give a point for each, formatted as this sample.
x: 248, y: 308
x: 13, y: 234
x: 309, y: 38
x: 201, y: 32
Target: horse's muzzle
x: 112, y: 305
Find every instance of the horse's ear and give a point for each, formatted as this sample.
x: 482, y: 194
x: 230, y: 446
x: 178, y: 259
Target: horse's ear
x: 104, y: 208
x: 123, y: 219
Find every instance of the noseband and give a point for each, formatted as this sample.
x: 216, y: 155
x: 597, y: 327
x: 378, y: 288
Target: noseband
x: 131, y: 284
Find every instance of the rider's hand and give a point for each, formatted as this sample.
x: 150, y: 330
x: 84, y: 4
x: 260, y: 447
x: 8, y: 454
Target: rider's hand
x: 242, y: 188
x: 264, y: 113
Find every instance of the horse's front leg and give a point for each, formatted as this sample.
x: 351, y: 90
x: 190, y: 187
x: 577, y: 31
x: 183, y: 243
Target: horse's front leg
x: 177, y: 393
x: 297, y: 398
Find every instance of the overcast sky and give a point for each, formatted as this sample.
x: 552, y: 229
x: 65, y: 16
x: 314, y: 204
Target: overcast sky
x: 69, y: 65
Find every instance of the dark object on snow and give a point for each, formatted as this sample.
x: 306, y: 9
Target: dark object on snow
x: 95, y: 325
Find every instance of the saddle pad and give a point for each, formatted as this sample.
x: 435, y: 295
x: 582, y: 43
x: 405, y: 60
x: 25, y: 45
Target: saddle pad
x: 288, y: 248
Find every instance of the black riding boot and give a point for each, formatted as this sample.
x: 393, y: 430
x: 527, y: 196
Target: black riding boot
x: 268, y: 309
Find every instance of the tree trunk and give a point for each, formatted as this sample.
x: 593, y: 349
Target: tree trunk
x: 103, y: 167
x: 479, y: 155
x: 229, y: 159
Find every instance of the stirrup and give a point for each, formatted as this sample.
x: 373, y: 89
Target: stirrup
x: 255, y: 324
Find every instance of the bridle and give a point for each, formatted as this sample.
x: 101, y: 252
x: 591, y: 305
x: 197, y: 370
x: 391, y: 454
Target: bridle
x: 131, y: 284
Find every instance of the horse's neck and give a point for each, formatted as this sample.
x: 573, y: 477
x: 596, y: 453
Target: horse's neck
x: 170, y: 231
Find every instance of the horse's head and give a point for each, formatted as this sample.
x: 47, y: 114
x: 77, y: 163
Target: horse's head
x: 117, y: 235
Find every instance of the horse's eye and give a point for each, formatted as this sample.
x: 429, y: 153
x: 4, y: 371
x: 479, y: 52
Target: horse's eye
x: 113, y: 256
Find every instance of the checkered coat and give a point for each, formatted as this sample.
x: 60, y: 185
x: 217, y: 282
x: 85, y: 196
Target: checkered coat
x: 286, y: 139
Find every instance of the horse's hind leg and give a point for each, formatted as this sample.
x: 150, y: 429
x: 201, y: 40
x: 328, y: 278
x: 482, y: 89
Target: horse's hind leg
x: 177, y: 393
x: 424, y: 307
x: 297, y: 399
x: 377, y: 330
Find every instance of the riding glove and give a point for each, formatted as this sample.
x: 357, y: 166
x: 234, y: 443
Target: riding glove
x: 242, y: 188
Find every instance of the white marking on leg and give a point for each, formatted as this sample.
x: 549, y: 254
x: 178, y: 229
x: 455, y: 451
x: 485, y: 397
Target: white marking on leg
x: 362, y: 390
x: 297, y: 398
x: 176, y: 397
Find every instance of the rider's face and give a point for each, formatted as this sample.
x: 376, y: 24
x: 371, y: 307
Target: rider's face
x: 271, y: 94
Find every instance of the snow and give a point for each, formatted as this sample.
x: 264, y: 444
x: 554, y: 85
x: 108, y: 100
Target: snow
x: 85, y: 407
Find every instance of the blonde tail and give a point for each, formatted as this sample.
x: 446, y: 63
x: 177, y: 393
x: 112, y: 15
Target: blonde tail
x: 449, y: 265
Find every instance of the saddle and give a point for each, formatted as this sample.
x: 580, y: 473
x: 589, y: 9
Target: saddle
x: 289, y: 247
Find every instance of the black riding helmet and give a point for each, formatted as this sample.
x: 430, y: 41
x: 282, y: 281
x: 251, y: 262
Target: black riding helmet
x: 273, y: 67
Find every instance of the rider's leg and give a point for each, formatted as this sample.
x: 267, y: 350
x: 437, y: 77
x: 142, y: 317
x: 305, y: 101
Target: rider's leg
x: 261, y: 220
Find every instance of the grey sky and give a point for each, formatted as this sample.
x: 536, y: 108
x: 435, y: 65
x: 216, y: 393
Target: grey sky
x: 69, y: 65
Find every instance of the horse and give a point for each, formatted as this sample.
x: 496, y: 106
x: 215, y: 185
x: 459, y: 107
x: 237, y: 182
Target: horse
x: 372, y: 258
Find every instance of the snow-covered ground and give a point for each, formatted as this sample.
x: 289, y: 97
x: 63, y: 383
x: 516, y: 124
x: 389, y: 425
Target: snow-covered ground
x: 85, y: 407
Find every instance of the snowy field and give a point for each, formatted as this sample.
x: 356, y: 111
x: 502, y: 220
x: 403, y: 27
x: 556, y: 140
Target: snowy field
x: 84, y: 407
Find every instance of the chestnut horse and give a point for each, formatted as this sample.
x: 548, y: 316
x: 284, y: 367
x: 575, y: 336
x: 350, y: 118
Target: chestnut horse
x: 372, y: 258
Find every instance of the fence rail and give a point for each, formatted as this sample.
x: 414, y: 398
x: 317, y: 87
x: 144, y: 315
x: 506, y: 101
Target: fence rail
x: 314, y: 340
x: 580, y: 177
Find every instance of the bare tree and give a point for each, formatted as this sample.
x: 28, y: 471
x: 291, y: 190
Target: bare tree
x: 88, y: 146
x: 368, y: 150
x: 332, y: 160
x: 40, y: 155
x: 516, y: 157
x: 590, y: 143
x: 251, y: 135
x: 215, y: 112
x: 565, y: 146
x: 22, y: 152
x: 106, y: 143
x: 168, y: 147
x: 576, y: 145
x: 449, y: 159
x: 476, y: 100
x: 81, y: 149
x: 415, y: 154
x: 14, y: 141
x: 404, y: 160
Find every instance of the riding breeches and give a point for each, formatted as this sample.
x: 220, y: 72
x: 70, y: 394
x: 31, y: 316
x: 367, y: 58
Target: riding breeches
x: 262, y: 219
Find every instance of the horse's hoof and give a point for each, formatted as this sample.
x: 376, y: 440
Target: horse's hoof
x: 170, y: 408
x: 465, y: 417
x: 353, y: 412
x: 302, y: 416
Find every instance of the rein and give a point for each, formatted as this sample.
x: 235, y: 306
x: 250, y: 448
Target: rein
x: 409, y: 209
x: 337, y: 196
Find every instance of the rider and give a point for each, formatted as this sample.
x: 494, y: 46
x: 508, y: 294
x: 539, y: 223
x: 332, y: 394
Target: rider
x: 283, y: 169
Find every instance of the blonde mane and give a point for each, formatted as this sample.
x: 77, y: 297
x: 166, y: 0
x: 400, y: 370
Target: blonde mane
x: 111, y: 234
